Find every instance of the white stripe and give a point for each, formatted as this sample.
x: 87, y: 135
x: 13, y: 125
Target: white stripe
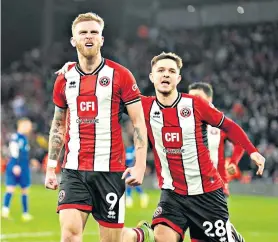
x: 103, y: 127
x: 156, y: 123
x: 221, y: 122
x: 74, y: 142
x: 133, y: 101
x: 35, y: 235
x: 190, y: 154
x: 121, y: 213
x: 140, y: 239
x: 213, y: 144
x: 229, y: 231
x: 26, y: 235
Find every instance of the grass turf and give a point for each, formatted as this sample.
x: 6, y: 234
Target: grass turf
x: 255, y: 217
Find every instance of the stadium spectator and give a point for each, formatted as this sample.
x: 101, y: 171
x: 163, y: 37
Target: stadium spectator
x: 241, y: 62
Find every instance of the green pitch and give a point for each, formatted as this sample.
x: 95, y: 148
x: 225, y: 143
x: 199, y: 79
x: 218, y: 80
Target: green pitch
x: 255, y: 217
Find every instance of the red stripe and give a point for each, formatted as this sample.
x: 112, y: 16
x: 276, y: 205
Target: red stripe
x: 197, y: 240
x: 140, y: 234
x: 175, y: 161
x: 110, y: 225
x: 170, y: 224
x: 221, y: 157
x: 75, y: 206
x: 210, y: 177
x: 202, y: 152
x: 87, y: 131
x: 117, y: 152
x: 157, y: 162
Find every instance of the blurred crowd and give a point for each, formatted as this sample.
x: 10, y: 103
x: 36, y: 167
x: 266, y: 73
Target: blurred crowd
x: 241, y: 63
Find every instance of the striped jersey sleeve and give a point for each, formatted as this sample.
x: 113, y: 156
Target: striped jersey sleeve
x: 59, y: 97
x: 130, y: 90
x: 208, y: 113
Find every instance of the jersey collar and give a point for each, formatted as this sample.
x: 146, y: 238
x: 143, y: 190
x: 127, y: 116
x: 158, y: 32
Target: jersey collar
x: 82, y: 73
x: 175, y: 103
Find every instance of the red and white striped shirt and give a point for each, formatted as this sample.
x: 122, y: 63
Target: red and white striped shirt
x: 95, y: 103
x: 178, y: 135
x: 216, y: 143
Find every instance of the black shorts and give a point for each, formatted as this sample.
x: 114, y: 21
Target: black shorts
x: 206, y: 215
x: 99, y: 193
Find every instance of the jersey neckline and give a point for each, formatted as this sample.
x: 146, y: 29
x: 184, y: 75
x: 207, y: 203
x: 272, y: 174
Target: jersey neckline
x: 96, y: 71
x: 175, y: 103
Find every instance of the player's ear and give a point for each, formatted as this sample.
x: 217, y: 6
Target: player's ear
x: 73, y: 42
x: 102, y: 41
x: 151, y: 77
x: 179, y: 79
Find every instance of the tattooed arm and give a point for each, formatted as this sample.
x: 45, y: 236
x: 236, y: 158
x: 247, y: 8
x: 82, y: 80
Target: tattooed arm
x: 57, y: 133
x: 56, y: 142
x: 136, y: 114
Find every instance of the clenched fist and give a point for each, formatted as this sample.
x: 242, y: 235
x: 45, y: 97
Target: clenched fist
x: 51, y: 179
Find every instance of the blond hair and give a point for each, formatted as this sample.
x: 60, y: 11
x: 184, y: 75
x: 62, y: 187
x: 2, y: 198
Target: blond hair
x: 169, y: 55
x: 87, y: 17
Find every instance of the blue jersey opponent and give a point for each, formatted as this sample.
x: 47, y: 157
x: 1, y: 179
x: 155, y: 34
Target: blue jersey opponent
x: 17, y: 170
x: 19, y: 151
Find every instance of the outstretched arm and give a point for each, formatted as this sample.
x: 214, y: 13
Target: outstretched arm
x: 235, y: 133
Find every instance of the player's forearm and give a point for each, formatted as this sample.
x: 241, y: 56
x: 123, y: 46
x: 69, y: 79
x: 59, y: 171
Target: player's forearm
x: 237, y: 154
x: 140, y: 144
x: 56, y: 142
x: 136, y: 114
x: 57, y: 134
x: 237, y: 135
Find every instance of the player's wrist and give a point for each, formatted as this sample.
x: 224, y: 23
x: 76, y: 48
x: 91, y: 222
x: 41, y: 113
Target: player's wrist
x: 140, y: 166
x: 252, y: 149
x: 52, y: 163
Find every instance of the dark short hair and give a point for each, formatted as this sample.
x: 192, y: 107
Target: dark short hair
x: 206, y: 87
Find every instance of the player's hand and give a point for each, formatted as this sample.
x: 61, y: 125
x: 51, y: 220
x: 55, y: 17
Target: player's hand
x: 64, y: 69
x: 231, y: 168
x: 16, y: 170
x: 136, y: 175
x: 259, y: 161
x: 51, y: 179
